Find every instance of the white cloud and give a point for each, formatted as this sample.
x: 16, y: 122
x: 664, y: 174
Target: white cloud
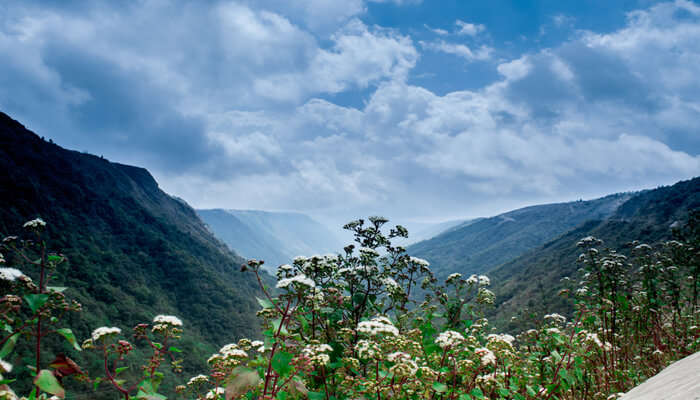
x: 240, y: 87
x: 437, y: 31
x: 515, y: 69
x: 469, y: 29
x: 459, y: 49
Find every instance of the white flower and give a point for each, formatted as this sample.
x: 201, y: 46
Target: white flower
x: 104, y: 331
x: 484, y: 280
x: 472, y: 280
x: 390, y: 283
x: 214, y: 393
x: 502, y: 338
x: 10, y: 274
x: 397, y: 356
x: 5, y: 366
x: 420, y: 261
x: 453, y: 277
x: 167, y: 319
x: 256, y: 343
x: 485, y: 296
x: 2, y: 258
x: 198, y: 380
x: 369, y: 252
x: 376, y: 326
x: 317, y: 353
x: 282, y: 269
x: 299, y: 279
x: 487, y: 356
x: 35, y: 223
x: 391, y: 286
x: 232, y: 350
x: 449, y: 339
x: 593, y: 338
x: 556, y: 318
x: 367, y: 349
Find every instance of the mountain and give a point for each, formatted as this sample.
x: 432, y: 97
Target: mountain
x: 276, y: 237
x: 530, y: 283
x: 477, y: 246
x: 134, y: 251
x: 420, y: 231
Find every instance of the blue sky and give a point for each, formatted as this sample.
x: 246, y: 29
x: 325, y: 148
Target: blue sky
x: 416, y: 110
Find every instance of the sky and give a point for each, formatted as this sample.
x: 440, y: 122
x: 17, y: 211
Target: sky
x: 415, y: 110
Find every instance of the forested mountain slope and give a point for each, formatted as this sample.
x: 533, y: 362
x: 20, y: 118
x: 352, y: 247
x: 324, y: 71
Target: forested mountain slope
x: 529, y: 284
x: 488, y: 242
x: 133, y: 250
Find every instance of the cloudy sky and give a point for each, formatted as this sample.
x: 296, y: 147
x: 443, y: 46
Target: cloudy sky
x: 416, y: 110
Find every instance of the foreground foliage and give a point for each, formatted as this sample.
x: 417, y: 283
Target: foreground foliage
x: 351, y: 326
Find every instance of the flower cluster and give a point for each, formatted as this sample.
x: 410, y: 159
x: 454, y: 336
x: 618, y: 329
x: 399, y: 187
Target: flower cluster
x: 35, y: 224
x: 377, y: 326
x: 300, y: 279
x: 104, y: 332
x: 449, y: 339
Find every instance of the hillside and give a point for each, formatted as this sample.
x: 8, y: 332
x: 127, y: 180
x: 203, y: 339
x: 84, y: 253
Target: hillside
x: 133, y: 250
x: 276, y: 237
x: 530, y: 283
x: 478, y: 246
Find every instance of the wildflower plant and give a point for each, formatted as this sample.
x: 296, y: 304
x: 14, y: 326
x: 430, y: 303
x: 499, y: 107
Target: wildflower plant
x: 373, y: 322
x: 31, y: 309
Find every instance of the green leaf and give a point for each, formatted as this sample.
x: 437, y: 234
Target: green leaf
x: 530, y: 390
x: 439, y: 387
x: 32, y: 395
x: 264, y: 303
x: 174, y: 349
x: 282, y: 395
x: 6, y: 381
x: 503, y: 392
x: 477, y: 393
x: 49, y: 384
x: 36, y: 301
x: 556, y: 356
x: 70, y: 337
x: 465, y: 397
x: 120, y: 369
x: 147, y: 391
x: 9, y: 345
x: 59, y: 289
x: 96, y: 383
x: 54, y: 258
x: 281, y: 363
x: 316, y: 396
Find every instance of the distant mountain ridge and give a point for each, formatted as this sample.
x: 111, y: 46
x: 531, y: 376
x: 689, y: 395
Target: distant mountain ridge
x: 479, y: 245
x: 530, y: 283
x: 275, y: 237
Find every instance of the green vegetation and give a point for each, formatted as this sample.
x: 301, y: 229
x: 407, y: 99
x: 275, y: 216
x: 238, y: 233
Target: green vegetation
x: 347, y: 327
x: 529, y: 285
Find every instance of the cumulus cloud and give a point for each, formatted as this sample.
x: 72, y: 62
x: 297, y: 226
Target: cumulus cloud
x: 233, y: 106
